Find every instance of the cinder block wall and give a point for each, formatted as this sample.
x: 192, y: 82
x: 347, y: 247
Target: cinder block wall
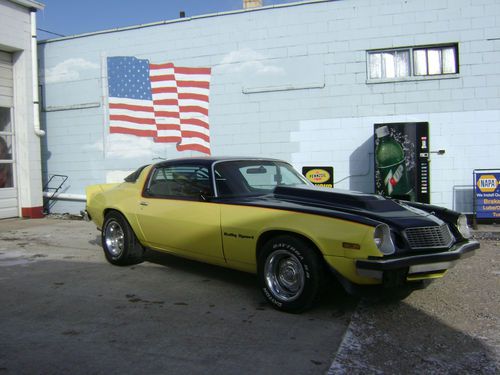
x: 15, y: 39
x: 291, y: 82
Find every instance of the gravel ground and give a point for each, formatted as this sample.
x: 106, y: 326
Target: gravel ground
x: 452, y: 327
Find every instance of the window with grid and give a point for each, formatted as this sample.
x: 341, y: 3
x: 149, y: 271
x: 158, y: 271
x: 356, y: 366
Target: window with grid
x: 435, y: 60
x: 409, y: 62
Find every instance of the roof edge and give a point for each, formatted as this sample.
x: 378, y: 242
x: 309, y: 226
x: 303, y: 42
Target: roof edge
x: 186, y: 19
x: 29, y: 4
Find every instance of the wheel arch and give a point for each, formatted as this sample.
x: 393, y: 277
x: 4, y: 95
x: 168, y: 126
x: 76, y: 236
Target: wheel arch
x: 132, y: 250
x: 266, y: 236
x: 108, y: 210
x: 130, y: 221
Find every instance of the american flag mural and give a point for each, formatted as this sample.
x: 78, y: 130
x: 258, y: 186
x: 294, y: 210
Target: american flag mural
x: 162, y: 101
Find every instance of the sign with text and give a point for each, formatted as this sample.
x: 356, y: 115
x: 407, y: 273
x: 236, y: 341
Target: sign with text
x: 487, y: 194
x: 319, y: 176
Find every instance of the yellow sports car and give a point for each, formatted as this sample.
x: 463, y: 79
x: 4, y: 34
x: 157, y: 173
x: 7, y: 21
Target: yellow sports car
x: 261, y: 216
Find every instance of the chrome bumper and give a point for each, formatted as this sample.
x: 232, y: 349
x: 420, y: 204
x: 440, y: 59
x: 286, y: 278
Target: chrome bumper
x: 417, y: 264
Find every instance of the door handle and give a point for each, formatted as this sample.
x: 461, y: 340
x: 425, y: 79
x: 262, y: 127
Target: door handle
x: 143, y: 203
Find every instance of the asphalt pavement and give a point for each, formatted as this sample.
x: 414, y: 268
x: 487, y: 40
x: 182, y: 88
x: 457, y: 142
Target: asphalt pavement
x: 64, y: 309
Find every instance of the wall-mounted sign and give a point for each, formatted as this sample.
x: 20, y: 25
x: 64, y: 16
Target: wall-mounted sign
x: 319, y: 176
x: 487, y: 194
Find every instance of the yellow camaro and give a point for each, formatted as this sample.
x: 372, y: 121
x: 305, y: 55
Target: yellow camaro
x: 261, y: 216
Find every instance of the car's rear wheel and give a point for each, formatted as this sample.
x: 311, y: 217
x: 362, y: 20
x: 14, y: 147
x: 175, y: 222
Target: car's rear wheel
x: 290, y: 272
x: 119, y: 242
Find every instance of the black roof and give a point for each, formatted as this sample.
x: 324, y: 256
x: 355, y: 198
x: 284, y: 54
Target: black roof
x: 209, y: 160
x: 205, y: 161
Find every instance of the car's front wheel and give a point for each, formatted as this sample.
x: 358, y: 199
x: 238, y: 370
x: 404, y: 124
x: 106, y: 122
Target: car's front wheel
x: 119, y: 242
x: 290, y: 272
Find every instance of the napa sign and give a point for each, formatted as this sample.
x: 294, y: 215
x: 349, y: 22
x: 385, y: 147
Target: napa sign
x: 487, y: 194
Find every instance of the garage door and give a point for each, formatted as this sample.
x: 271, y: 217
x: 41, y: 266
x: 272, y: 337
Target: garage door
x: 8, y: 191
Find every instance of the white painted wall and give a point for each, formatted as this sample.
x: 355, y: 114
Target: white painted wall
x: 291, y: 82
x: 15, y: 37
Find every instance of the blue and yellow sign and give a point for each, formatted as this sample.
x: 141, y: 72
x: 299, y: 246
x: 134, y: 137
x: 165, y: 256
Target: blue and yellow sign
x: 487, y: 193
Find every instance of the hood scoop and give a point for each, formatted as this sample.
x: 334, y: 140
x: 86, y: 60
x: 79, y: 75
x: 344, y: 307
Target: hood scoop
x: 337, y: 198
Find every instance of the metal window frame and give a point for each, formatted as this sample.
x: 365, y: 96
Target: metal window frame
x: 389, y: 50
x: 412, y: 75
x: 439, y: 47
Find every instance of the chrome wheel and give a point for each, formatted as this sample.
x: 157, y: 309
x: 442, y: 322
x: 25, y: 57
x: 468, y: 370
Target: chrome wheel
x: 114, y: 238
x: 284, y: 275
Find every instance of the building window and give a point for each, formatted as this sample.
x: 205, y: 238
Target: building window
x: 404, y: 63
x: 435, y: 60
x: 389, y: 64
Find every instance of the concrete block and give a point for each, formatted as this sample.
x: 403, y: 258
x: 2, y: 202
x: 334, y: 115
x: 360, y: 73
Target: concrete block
x: 475, y: 104
x: 299, y: 50
x: 405, y: 108
x: 473, y: 11
x: 463, y: 94
x: 315, y: 49
x: 390, y: 98
x: 487, y: 92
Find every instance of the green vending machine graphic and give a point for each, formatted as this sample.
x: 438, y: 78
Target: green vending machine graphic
x: 401, y: 161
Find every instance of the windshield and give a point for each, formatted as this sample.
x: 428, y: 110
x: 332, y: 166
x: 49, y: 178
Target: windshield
x: 254, y: 177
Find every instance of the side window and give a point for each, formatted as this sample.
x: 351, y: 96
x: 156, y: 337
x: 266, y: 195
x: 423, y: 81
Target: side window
x: 183, y: 181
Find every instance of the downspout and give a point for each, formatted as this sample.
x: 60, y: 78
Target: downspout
x: 65, y: 196
x: 34, y: 68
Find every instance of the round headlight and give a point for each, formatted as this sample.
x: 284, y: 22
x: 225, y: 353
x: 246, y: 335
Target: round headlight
x: 462, y: 226
x: 383, y: 240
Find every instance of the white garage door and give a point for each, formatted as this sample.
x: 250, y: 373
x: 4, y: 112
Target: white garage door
x: 8, y: 190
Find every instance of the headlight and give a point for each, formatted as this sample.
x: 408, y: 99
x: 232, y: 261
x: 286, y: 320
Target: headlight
x: 383, y: 240
x: 462, y: 226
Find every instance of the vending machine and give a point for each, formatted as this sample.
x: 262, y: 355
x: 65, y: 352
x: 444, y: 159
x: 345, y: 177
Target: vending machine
x: 402, y: 161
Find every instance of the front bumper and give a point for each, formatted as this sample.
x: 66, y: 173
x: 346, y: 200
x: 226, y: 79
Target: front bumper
x: 418, y: 266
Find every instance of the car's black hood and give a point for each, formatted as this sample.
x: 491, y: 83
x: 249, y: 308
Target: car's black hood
x: 368, y: 205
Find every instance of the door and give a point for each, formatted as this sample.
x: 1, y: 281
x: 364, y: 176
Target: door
x: 9, y: 206
x: 174, y: 217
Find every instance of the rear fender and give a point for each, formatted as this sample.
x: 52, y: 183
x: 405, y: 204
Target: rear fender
x: 96, y: 201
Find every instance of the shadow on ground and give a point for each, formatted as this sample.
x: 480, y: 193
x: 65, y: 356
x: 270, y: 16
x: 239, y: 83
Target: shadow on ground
x: 334, y: 302
x: 408, y: 341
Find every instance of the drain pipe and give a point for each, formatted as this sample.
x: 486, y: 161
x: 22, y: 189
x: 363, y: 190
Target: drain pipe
x: 65, y: 196
x: 34, y: 68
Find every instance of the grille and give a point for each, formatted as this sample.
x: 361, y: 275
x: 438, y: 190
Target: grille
x: 429, y: 237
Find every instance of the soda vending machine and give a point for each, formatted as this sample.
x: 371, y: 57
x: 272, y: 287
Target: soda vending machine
x: 402, y: 161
